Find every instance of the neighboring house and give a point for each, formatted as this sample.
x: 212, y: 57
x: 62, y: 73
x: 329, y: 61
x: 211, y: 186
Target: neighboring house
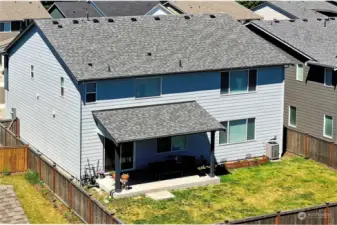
x: 310, y: 85
x: 11, y: 211
x: 75, y: 9
x: 232, y: 8
x: 285, y: 10
x: 14, y: 17
x: 92, y: 89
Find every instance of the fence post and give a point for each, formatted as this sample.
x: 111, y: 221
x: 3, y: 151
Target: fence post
x: 332, y: 148
x: 306, y: 154
x: 40, y: 167
x: 5, y: 137
x: 326, y: 216
x: 278, y: 218
x: 90, y: 210
x: 26, y: 158
x: 54, y: 179
x: 70, y: 195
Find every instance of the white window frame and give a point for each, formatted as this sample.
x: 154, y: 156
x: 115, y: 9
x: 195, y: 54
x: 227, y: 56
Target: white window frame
x: 327, y: 136
x: 229, y: 81
x: 325, y: 69
x: 86, y: 92
x: 297, y: 72
x: 289, y: 111
x: 186, y: 145
x: 143, y: 78
x: 10, y: 25
x: 228, y: 132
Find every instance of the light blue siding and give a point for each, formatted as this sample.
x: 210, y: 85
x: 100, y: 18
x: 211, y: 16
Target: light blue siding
x: 265, y: 104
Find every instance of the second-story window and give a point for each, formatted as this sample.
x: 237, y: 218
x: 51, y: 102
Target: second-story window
x: 148, y: 87
x: 240, y: 81
x: 31, y: 71
x: 5, y: 26
x: 90, y: 92
x: 328, y: 77
x: 62, y: 86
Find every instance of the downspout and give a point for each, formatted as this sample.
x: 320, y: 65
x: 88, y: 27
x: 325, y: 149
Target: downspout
x: 81, y: 130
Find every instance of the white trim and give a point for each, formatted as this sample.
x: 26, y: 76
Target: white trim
x: 86, y: 92
x: 297, y: 72
x: 143, y: 78
x: 289, y: 112
x: 324, y: 127
x: 325, y: 69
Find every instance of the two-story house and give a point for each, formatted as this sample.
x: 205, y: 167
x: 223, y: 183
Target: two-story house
x: 310, y: 103
x: 123, y: 92
x: 14, y: 17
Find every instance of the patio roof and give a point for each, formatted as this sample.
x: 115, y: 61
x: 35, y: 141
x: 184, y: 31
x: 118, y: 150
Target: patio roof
x: 155, y: 121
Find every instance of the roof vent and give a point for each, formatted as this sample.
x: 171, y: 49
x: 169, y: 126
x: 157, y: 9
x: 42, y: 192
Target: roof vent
x: 59, y: 26
x: 180, y: 63
x: 111, y: 20
x: 133, y: 19
x: 212, y: 16
x: 332, y: 18
x: 55, y: 22
x: 305, y: 20
x: 276, y: 21
x: 187, y: 17
x: 75, y: 21
x: 149, y: 53
x: 291, y: 20
x: 95, y: 20
x: 319, y: 19
x: 157, y: 18
x: 90, y: 64
x: 109, y: 68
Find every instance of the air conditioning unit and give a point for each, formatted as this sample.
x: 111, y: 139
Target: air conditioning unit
x: 273, y: 150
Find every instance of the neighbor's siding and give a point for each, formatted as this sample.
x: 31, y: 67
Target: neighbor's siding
x: 266, y: 105
x: 312, y: 100
x: 36, y: 99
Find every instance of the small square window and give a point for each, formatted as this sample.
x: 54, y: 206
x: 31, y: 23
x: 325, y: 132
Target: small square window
x: 328, y: 77
x: 32, y: 71
x: 292, y: 116
x: 90, y: 92
x: 299, y: 72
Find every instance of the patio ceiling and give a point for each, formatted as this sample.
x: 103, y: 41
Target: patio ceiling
x: 155, y: 121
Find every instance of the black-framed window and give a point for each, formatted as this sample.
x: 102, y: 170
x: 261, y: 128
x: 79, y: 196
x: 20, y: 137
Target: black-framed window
x: 172, y: 144
x: 90, y: 92
x: 238, y: 81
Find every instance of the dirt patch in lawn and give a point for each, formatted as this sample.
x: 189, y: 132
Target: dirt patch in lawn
x: 292, y: 183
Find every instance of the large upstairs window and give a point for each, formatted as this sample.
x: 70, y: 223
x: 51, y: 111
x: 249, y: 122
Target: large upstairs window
x: 239, y: 81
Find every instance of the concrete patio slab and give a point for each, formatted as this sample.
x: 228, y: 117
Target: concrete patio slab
x: 172, y: 184
x: 160, y: 195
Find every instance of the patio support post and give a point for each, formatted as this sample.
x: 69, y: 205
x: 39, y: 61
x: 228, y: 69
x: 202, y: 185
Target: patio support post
x: 212, y: 166
x: 118, y: 150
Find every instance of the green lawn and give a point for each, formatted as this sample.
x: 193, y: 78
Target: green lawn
x: 37, y: 208
x: 289, y: 184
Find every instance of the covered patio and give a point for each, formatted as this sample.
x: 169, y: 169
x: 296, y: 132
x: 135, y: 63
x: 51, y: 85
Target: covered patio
x: 170, y: 128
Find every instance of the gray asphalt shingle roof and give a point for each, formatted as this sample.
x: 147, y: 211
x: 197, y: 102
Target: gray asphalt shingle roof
x: 309, y: 37
x: 147, y: 122
x: 125, y: 8
x: 120, y: 48
x: 72, y: 9
x: 305, y: 9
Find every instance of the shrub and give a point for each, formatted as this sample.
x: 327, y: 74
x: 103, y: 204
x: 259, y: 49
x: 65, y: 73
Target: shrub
x: 32, y: 177
x: 6, y: 171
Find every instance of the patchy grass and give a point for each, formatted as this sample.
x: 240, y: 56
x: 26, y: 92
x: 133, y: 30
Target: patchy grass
x: 37, y: 208
x: 289, y: 184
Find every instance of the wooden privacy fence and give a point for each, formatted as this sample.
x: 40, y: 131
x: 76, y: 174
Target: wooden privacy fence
x: 322, y: 214
x: 13, y: 159
x: 59, y: 181
x: 311, y: 147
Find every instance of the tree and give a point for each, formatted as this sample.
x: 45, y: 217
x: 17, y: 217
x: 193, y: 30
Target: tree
x: 250, y: 4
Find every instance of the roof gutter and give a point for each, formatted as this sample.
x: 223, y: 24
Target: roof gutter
x: 314, y: 63
x: 280, y: 40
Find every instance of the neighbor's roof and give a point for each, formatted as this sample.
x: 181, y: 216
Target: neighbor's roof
x: 148, y: 122
x: 20, y: 10
x: 6, y: 39
x: 304, y: 9
x: 148, y: 46
x: 234, y: 9
x: 309, y: 37
x: 11, y: 211
x: 75, y: 9
x: 125, y: 8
